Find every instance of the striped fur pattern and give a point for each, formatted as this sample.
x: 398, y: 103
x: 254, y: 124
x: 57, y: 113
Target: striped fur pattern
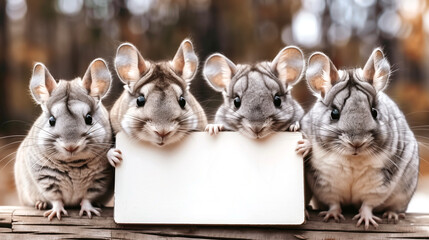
x: 256, y: 86
x: 162, y: 120
x: 368, y: 157
x: 65, y: 164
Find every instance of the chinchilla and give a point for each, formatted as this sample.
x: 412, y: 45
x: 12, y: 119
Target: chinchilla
x: 257, y: 97
x: 62, y: 161
x: 156, y: 105
x: 360, y: 149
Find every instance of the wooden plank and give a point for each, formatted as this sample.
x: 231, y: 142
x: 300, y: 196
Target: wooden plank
x: 285, y: 235
x: 27, y: 223
x: 61, y: 229
x: 29, y: 217
x: 6, y: 219
x: 31, y: 236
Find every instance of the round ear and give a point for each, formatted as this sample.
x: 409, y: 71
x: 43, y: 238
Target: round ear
x: 289, y: 65
x: 97, y: 79
x: 377, y: 70
x: 218, y: 71
x: 185, y: 62
x: 321, y: 73
x: 41, y: 84
x: 129, y: 64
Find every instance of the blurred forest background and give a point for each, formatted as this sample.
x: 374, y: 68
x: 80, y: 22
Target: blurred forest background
x: 66, y: 35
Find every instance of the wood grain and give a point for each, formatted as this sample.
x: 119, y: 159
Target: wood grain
x: 28, y: 223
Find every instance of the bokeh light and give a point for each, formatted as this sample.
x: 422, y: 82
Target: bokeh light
x: 306, y: 29
x: 70, y: 7
x: 389, y: 22
x: 16, y: 9
x: 139, y: 7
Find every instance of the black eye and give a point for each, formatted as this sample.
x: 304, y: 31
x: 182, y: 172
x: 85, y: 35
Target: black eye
x: 335, y: 114
x: 141, y: 100
x: 182, y: 102
x: 52, y: 121
x: 237, y: 102
x: 88, y: 119
x: 374, y: 113
x: 277, y: 101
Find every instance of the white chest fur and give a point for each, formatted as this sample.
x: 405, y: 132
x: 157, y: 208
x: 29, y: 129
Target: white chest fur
x: 347, y: 180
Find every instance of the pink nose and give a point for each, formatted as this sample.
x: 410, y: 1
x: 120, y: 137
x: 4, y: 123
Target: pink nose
x: 71, y: 148
x: 357, y: 144
x: 163, y: 133
x: 257, y: 130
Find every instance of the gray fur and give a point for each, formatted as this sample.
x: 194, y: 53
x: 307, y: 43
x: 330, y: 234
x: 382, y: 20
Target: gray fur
x: 44, y: 171
x: 256, y: 85
x: 162, y: 84
x: 387, y: 162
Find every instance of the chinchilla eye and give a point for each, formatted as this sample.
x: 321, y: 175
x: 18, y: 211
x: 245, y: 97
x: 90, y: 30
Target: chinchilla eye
x: 141, y: 100
x: 335, y: 114
x: 88, y: 119
x: 374, y: 113
x: 237, y: 102
x: 182, y: 102
x: 52, y: 121
x: 277, y: 101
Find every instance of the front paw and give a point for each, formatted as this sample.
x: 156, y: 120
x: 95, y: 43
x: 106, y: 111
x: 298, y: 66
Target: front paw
x: 393, y: 216
x: 40, y: 205
x: 86, y: 207
x: 365, y: 216
x: 57, y: 209
x: 304, y: 147
x: 213, y: 129
x: 332, y: 213
x: 114, y: 156
x: 294, y: 127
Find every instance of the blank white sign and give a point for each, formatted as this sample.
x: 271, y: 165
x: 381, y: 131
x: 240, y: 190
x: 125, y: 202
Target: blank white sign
x: 224, y: 179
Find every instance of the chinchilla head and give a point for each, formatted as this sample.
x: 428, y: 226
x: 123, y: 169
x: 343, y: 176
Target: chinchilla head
x: 157, y: 106
x: 74, y: 124
x: 257, y: 100
x: 350, y: 119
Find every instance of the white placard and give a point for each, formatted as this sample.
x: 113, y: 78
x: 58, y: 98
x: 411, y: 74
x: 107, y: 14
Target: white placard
x: 224, y: 179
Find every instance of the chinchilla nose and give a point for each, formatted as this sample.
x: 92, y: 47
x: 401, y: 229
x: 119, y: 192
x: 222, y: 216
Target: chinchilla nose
x: 356, y: 144
x: 257, y: 128
x: 71, y: 148
x: 162, y: 133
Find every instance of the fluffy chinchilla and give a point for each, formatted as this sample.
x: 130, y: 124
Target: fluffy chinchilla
x: 361, y: 149
x: 62, y: 161
x: 257, y: 97
x: 156, y: 105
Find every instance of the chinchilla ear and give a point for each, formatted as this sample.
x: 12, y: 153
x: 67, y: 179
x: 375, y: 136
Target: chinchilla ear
x: 41, y: 84
x: 377, y: 70
x: 218, y: 71
x: 321, y: 74
x: 130, y: 64
x: 185, y: 62
x: 97, y: 79
x: 289, y: 65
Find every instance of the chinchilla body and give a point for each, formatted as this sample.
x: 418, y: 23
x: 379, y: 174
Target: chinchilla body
x: 256, y: 86
x: 257, y: 97
x: 63, y: 157
x: 363, y: 152
x: 156, y: 105
x: 386, y: 174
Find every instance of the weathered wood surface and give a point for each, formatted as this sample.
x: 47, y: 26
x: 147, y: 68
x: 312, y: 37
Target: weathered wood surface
x: 28, y: 223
